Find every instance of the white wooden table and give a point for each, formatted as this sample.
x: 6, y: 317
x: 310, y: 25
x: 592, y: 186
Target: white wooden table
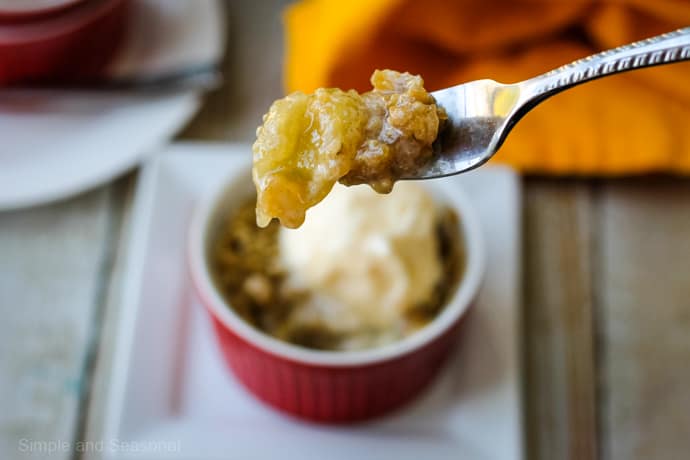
x: 606, y: 311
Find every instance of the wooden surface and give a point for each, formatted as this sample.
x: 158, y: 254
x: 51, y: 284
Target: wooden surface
x: 558, y: 320
x: 55, y: 263
x: 606, y: 311
x: 644, y: 318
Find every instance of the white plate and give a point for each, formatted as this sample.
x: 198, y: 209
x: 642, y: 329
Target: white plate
x: 54, y: 145
x: 171, y: 396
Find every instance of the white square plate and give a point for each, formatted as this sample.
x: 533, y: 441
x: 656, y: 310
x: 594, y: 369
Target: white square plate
x: 171, y: 396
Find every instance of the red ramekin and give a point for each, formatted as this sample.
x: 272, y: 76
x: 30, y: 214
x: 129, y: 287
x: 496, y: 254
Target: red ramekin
x: 332, y: 386
x: 69, y: 46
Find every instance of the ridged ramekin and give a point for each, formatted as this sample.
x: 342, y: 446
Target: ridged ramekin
x: 331, y: 386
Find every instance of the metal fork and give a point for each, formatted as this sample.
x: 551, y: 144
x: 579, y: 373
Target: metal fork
x: 482, y: 113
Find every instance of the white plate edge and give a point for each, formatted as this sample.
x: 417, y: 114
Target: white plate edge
x: 135, y: 252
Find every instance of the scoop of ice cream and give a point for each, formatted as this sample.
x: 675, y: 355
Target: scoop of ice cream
x: 367, y: 257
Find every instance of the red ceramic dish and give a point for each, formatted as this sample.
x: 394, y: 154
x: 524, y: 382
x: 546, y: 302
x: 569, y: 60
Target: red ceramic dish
x: 332, y: 386
x: 76, y: 44
x: 27, y: 10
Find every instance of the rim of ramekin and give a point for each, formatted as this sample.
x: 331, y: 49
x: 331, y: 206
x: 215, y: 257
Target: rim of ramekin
x: 33, y: 7
x: 73, y: 18
x: 465, y: 292
x: 29, y: 11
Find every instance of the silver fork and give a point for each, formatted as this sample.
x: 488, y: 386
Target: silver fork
x: 481, y: 113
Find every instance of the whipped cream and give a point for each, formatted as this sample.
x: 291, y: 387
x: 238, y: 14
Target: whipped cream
x: 367, y: 258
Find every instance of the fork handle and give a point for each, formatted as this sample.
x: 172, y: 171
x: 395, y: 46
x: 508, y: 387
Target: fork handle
x: 662, y: 49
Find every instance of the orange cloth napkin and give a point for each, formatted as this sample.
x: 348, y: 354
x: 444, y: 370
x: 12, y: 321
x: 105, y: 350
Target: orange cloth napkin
x: 630, y: 123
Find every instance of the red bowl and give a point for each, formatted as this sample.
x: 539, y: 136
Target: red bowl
x: 331, y: 386
x: 28, y: 10
x: 73, y: 45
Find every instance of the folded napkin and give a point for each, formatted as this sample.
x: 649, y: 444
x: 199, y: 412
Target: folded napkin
x: 625, y: 124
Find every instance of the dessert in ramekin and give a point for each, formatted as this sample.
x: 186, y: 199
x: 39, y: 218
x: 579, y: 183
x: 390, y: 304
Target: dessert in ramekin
x: 348, y: 377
